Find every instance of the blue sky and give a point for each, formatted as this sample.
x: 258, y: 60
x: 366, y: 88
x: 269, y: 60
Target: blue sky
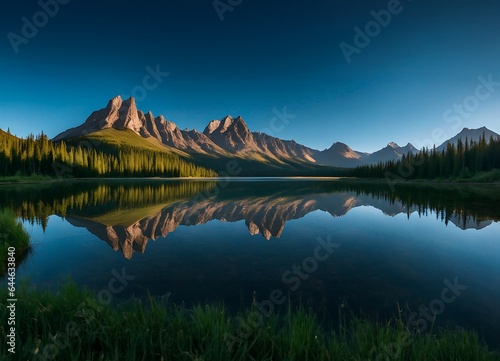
x: 263, y: 57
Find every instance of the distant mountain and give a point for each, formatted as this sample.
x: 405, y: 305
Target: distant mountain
x: 234, y: 136
x: 341, y: 155
x: 471, y: 134
x: 231, y: 137
x: 391, y: 152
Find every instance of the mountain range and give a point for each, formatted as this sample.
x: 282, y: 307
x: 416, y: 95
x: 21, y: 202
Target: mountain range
x: 231, y: 137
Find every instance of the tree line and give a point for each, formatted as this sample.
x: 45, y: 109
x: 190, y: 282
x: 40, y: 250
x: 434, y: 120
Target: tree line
x: 37, y: 155
x: 463, y: 160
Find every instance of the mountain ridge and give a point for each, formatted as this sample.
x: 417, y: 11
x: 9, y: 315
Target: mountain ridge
x: 469, y: 134
x: 229, y: 137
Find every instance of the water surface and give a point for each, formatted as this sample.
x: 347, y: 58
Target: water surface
x: 323, y: 243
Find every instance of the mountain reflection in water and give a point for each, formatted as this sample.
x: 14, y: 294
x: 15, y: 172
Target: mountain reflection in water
x: 126, y: 214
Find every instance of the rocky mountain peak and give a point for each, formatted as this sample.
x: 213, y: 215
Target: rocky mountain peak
x: 225, y: 123
x: 130, y: 104
x: 160, y: 119
x: 211, y: 127
x: 128, y: 116
x: 171, y: 126
x: 240, y: 125
x: 115, y: 103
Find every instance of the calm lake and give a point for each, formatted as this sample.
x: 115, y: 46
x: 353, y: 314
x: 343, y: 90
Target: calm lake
x: 434, y: 250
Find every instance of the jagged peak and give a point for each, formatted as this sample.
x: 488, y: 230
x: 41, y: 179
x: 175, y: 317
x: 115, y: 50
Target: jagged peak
x: 225, y: 123
x: 161, y: 119
x: 393, y: 145
x: 211, y: 127
x: 171, y: 126
x: 115, y: 103
x: 130, y: 102
x: 240, y: 120
x: 149, y: 117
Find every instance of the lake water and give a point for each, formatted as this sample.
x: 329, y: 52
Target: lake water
x: 324, y: 243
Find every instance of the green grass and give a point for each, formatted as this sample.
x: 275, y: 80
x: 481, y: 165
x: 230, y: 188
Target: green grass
x: 12, y: 234
x: 129, y: 138
x: 64, y: 326
x: 487, y: 177
x: 25, y: 179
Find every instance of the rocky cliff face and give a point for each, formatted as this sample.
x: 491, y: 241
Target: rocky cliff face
x: 234, y: 136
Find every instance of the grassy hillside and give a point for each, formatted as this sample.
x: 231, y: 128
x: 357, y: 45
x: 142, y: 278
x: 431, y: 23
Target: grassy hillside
x: 128, y: 138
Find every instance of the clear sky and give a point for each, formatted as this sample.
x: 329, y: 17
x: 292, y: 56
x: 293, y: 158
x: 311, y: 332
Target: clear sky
x: 263, y: 56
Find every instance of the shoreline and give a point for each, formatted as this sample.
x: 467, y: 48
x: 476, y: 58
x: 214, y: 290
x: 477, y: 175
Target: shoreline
x: 254, y: 179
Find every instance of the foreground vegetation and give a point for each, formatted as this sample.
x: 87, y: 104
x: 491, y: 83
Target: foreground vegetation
x: 12, y: 234
x: 74, y: 325
x: 26, y: 179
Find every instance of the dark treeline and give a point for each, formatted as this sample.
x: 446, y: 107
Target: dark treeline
x: 464, y: 160
x: 37, y: 155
